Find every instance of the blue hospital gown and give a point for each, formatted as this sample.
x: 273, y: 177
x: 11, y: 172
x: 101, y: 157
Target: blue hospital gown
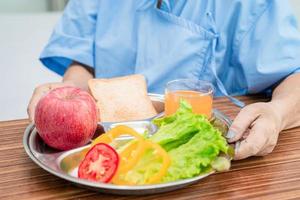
x: 241, y: 46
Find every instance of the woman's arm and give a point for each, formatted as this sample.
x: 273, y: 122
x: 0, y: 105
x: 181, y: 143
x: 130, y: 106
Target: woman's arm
x: 76, y: 75
x: 256, y: 128
x: 286, y: 99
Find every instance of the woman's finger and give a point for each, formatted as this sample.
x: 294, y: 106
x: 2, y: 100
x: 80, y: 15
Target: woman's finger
x: 254, y: 143
x: 36, y: 96
x: 31, y: 106
x: 242, y: 122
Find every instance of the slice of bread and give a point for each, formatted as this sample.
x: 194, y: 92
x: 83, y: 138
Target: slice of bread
x: 122, y: 98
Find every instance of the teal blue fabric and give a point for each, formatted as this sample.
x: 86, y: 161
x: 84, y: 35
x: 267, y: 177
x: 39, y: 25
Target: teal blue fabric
x: 241, y: 46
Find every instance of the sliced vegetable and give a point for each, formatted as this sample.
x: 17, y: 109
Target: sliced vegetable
x: 152, y: 152
x: 185, y: 145
x: 131, y: 155
x: 100, y: 164
x: 166, y: 161
x: 117, y: 132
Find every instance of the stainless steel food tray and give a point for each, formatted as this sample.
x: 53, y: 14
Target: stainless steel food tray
x: 50, y: 159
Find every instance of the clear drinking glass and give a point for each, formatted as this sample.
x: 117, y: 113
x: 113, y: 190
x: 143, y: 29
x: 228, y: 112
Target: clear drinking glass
x: 198, y: 93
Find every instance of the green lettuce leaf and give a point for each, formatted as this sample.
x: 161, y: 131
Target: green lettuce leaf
x: 177, y: 129
x: 192, y: 143
x: 196, y: 156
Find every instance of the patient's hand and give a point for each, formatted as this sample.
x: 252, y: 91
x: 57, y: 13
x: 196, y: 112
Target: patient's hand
x: 255, y: 130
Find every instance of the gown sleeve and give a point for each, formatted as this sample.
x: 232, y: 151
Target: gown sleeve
x: 73, y: 37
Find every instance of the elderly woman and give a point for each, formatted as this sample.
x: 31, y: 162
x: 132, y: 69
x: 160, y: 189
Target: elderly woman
x: 241, y: 46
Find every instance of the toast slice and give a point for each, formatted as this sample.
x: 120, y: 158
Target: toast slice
x: 122, y: 98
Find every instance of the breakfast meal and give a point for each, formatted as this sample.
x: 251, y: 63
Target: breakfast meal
x: 184, y: 145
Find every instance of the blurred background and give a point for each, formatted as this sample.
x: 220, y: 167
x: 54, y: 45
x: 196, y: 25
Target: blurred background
x: 29, y: 6
x: 25, y: 27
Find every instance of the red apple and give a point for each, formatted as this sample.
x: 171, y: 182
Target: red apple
x: 66, y: 118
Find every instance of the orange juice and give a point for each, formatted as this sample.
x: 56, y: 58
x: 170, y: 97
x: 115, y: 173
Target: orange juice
x: 201, y: 103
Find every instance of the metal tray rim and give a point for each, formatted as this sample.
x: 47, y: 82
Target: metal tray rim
x: 100, y: 185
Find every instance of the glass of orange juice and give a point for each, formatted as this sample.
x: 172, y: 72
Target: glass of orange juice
x: 198, y: 93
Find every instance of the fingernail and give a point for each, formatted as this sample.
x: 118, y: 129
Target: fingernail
x: 236, y: 149
x: 237, y: 146
x: 230, y: 134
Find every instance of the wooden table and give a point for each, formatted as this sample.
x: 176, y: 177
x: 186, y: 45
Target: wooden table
x: 276, y: 176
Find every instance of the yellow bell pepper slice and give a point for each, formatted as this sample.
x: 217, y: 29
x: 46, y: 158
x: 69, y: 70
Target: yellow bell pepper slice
x: 115, y: 132
x: 158, y: 150
x: 133, y: 152
x: 130, y: 155
x: 165, y: 163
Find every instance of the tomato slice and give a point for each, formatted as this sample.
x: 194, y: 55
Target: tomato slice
x: 100, y: 164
